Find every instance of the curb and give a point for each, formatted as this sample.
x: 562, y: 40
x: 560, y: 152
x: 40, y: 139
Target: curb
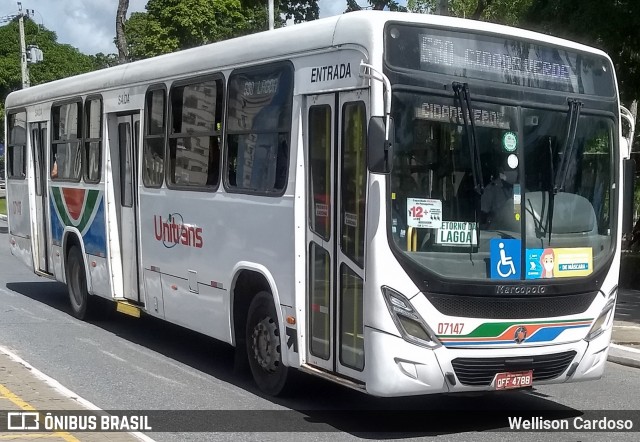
x: 624, y: 355
x: 64, y: 390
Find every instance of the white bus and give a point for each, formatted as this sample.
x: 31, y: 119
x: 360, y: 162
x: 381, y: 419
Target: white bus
x: 403, y: 204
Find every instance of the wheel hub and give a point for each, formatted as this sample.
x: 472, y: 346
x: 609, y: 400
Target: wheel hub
x: 266, y: 344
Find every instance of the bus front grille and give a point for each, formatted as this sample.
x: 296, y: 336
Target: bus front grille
x: 479, y: 372
x: 507, y: 307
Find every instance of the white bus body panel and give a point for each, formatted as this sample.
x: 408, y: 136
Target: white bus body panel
x: 19, y: 220
x: 224, y: 233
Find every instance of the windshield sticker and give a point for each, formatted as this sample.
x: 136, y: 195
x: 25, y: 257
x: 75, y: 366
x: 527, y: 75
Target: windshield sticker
x: 559, y: 262
x: 351, y: 219
x: 505, y: 258
x: 512, y: 161
x: 322, y: 210
x: 454, y: 233
x: 453, y: 114
x: 509, y: 141
x: 424, y: 213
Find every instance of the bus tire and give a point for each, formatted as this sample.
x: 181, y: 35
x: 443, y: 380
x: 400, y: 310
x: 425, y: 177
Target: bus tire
x: 263, y: 343
x: 77, y: 283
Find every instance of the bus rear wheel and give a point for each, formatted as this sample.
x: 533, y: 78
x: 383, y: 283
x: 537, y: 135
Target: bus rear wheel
x: 77, y: 283
x: 264, y: 345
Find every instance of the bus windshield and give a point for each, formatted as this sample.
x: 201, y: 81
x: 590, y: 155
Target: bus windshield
x: 521, y: 226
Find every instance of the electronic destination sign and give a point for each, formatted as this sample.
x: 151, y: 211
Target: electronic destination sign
x: 498, y: 59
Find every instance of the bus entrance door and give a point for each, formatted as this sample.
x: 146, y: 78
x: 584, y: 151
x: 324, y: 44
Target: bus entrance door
x: 41, y: 246
x: 128, y: 130
x: 336, y: 126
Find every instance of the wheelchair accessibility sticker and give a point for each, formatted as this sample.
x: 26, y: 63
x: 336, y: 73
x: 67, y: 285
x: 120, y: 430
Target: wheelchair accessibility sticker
x: 505, y: 258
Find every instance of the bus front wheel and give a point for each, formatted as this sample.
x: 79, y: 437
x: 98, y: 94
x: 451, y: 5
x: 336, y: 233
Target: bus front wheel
x: 77, y: 283
x: 264, y: 345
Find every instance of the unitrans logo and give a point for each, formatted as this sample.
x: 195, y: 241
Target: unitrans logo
x: 173, y: 231
x: 520, y: 335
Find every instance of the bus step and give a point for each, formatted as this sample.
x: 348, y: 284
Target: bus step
x: 332, y: 377
x: 128, y: 309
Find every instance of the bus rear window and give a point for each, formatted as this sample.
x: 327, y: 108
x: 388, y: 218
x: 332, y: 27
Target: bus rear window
x: 16, y: 164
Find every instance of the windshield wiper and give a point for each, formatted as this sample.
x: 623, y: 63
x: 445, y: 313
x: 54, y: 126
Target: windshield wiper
x: 461, y: 92
x: 569, y: 143
x: 557, y: 185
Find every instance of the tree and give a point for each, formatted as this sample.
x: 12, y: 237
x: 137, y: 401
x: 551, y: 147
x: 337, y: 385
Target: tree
x: 298, y: 11
x: 376, y: 5
x: 102, y: 60
x: 171, y: 25
x: 611, y: 25
x: 60, y: 60
x: 121, y: 39
x: 508, y: 12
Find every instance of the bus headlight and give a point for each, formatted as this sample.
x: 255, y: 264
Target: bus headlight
x: 601, y: 323
x: 410, y: 324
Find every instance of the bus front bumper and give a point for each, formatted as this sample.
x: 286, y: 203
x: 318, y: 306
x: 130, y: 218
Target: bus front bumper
x: 396, y: 367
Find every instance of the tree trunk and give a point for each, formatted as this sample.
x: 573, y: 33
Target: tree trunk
x: 482, y: 5
x: 121, y: 40
x: 443, y: 7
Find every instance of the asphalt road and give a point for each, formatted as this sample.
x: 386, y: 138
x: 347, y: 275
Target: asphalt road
x: 140, y: 364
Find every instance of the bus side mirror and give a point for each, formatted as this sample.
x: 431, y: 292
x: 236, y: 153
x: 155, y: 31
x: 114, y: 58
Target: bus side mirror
x: 624, y: 147
x: 379, y: 149
x: 629, y: 178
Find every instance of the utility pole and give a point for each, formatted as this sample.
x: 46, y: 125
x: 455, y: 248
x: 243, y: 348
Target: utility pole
x: 271, y: 15
x: 23, y: 50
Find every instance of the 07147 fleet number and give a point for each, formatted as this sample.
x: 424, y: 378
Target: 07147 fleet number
x: 450, y: 328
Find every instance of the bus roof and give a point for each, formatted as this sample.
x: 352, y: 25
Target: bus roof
x: 359, y: 28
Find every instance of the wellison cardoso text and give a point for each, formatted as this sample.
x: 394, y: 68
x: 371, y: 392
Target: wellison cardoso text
x: 580, y: 423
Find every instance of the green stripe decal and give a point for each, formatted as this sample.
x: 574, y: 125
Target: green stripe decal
x: 62, y: 213
x: 89, y: 205
x: 495, y: 329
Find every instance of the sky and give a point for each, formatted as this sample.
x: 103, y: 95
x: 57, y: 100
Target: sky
x: 89, y: 25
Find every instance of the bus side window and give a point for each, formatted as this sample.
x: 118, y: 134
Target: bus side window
x: 196, y: 119
x: 258, y: 128
x: 67, y: 142
x: 154, y: 138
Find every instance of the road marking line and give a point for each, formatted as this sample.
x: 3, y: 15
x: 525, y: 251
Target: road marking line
x: 64, y: 390
x: 29, y: 435
x: 17, y: 400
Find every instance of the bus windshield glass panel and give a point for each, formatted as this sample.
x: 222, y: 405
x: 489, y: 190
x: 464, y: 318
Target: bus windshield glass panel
x: 544, y: 207
x: 498, y: 59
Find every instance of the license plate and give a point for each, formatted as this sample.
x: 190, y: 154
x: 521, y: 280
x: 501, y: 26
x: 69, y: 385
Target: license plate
x: 520, y: 379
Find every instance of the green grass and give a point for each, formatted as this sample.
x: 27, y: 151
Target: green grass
x: 3, y: 206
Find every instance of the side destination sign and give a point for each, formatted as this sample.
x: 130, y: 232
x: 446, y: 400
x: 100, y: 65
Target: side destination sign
x: 455, y: 233
x: 336, y: 70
